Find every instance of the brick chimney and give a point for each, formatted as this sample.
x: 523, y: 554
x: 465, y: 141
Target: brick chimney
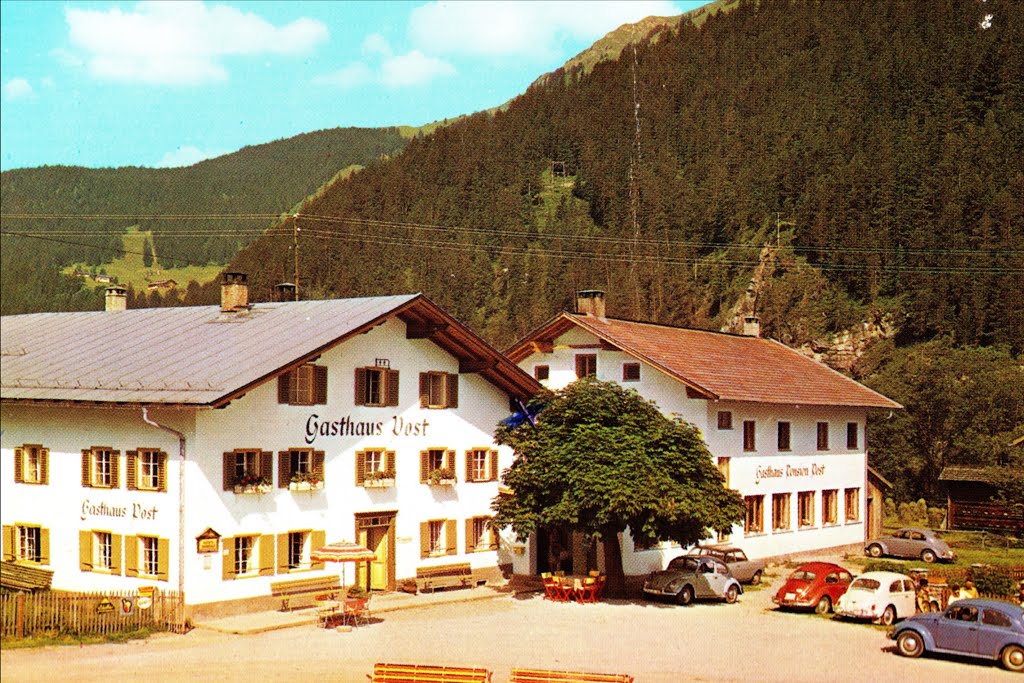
x: 234, y: 292
x: 590, y: 302
x: 285, y: 291
x: 751, y: 326
x: 116, y: 298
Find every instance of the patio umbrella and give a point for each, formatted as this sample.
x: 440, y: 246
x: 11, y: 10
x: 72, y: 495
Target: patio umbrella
x: 344, y: 551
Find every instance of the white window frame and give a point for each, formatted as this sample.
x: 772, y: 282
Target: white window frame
x: 149, y: 555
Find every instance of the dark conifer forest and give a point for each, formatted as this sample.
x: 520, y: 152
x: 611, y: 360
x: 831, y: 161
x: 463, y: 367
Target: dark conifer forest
x: 252, y: 184
x: 878, y: 142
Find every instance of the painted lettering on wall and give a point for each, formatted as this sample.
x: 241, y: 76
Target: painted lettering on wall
x: 346, y: 426
x: 101, y: 509
x: 812, y: 470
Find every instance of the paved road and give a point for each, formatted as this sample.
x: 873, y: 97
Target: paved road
x: 656, y: 643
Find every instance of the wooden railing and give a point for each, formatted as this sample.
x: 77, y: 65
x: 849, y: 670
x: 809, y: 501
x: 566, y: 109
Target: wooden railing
x: 58, y: 612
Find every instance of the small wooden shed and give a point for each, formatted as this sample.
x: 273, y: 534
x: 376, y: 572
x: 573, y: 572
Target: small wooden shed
x: 970, y: 505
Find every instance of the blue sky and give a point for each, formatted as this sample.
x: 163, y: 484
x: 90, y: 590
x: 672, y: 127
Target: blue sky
x: 169, y: 83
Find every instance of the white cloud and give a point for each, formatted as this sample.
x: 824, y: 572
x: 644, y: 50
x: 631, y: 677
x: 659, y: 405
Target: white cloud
x: 178, y: 42
x: 414, y: 68
x: 376, y: 44
x: 384, y: 67
x: 523, y: 29
x: 186, y: 155
x: 18, y: 88
x: 351, y: 76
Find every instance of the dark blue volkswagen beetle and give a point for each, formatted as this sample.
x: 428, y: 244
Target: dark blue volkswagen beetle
x: 976, y: 628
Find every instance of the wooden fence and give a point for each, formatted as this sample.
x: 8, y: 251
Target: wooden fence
x: 53, y: 612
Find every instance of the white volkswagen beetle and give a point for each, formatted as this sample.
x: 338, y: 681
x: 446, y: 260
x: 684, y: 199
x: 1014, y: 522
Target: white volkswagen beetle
x: 879, y: 596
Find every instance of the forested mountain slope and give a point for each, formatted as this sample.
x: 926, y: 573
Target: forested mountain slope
x: 262, y: 179
x: 875, y: 146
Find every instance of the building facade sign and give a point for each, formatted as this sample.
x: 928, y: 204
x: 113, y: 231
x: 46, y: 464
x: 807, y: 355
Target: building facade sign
x: 347, y: 426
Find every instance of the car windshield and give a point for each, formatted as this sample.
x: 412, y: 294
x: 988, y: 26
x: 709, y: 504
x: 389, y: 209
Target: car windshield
x: 865, y: 585
x: 802, y: 575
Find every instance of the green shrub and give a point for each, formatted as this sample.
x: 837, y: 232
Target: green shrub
x: 885, y: 566
x: 913, y: 514
x: 889, y: 508
x: 992, y: 581
x: 936, y: 516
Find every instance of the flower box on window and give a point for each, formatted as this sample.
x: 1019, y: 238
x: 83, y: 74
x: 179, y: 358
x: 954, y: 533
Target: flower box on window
x: 441, y: 476
x: 252, y: 488
x: 379, y: 479
x: 305, y: 481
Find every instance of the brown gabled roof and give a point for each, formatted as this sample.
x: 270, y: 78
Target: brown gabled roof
x: 717, y: 365
x: 983, y: 475
x: 200, y: 355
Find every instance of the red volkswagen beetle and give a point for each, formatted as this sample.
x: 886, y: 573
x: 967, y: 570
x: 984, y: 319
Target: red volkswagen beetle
x: 815, y: 584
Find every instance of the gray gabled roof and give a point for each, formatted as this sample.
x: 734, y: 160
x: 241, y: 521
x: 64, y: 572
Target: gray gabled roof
x: 201, y: 355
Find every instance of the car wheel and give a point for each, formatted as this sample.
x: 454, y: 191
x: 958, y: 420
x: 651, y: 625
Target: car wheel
x: 889, y: 616
x: 755, y: 579
x: 1013, y: 658
x: 731, y: 593
x: 685, y: 596
x: 910, y: 644
x: 875, y: 550
x: 928, y: 555
x: 824, y: 605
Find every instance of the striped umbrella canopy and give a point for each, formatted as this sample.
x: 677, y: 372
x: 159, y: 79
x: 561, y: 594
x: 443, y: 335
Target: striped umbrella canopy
x: 342, y: 551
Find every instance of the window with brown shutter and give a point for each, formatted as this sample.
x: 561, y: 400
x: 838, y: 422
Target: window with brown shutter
x: 305, y: 385
x: 376, y: 387
x: 439, y: 390
x: 145, y: 470
x: 823, y: 436
x: 99, y: 551
x: 303, y: 467
x: 26, y: 543
x: 480, y: 535
x: 784, y: 433
x: 31, y: 464
x: 541, y: 372
x: 851, y: 435
x: 477, y: 465
x: 725, y: 419
x: 749, y: 435
x: 100, y: 467
x: 247, y: 468
x: 630, y: 372
x: 586, y: 365
x: 437, y: 465
x: 436, y: 537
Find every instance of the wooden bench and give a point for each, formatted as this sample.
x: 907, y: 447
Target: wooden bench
x: 423, y: 673
x: 298, y: 589
x: 546, y: 676
x: 443, y: 576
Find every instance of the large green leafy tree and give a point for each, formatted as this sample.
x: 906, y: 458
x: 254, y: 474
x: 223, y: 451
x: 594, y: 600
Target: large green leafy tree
x: 963, y: 406
x: 601, y: 459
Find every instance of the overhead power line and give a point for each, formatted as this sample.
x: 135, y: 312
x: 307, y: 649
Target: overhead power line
x: 494, y: 232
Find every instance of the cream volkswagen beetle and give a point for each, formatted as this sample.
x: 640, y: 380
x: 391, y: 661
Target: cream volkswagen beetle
x: 879, y: 596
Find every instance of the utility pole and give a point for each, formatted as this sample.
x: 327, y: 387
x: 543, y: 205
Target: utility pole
x: 295, y: 249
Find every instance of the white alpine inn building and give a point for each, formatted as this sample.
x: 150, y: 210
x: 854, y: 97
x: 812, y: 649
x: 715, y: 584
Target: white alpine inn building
x: 787, y: 432
x: 211, y: 449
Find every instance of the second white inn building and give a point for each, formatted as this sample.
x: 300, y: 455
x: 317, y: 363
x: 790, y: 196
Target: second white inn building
x: 263, y: 430
x: 786, y: 431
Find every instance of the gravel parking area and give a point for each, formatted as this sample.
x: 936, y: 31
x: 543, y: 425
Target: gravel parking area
x: 657, y: 643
